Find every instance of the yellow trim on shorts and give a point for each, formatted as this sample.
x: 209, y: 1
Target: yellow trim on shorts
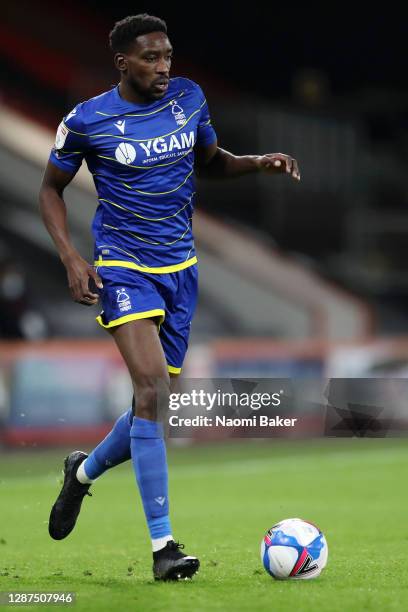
x: 173, y: 370
x: 112, y: 263
x: 147, y: 314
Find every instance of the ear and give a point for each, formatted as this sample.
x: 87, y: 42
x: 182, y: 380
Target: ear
x: 120, y: 62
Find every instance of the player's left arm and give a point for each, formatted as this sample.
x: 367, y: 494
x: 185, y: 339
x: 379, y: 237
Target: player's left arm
x: 213, y: 162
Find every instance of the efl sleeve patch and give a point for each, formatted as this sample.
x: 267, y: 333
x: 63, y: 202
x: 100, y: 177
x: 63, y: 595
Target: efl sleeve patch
x: 60, y: 138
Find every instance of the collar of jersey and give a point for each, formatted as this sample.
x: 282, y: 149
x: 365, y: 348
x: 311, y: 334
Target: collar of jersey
x: 132, y: 106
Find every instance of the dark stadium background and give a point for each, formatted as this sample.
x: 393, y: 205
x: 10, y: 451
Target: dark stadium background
x: 325, y: 84
x: 302, y: 284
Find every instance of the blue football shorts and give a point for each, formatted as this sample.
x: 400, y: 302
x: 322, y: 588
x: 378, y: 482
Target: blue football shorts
x: 171, y: 299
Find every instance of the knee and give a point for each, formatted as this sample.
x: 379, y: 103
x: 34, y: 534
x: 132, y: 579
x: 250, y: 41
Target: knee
x: 152, y: 397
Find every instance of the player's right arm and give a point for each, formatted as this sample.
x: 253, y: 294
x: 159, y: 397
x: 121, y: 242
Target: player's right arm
x: 54, y: 214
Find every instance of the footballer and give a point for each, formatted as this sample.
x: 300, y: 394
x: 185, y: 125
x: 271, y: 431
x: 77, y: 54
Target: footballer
x: 143, y: 142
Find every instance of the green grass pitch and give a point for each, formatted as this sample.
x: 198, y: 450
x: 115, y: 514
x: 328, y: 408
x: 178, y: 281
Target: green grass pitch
x: 223, y: 499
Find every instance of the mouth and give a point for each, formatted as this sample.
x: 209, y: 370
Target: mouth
x: 161, y: 85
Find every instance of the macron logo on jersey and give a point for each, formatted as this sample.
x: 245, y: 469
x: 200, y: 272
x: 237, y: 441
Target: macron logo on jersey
x: 120, y: 125
x: 164, y: 145
x: 71, y: 114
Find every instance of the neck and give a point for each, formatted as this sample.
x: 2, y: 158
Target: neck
x: 128, y: 93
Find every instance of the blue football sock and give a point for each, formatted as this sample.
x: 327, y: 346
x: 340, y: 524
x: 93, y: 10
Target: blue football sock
x: 113, y: 450
x: 150, y: 465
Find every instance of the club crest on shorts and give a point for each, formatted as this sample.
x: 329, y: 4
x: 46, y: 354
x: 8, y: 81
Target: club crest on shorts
x: 123, y: 300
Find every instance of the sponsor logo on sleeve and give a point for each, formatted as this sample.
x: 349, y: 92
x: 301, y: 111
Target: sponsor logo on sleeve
x: 61, y: 136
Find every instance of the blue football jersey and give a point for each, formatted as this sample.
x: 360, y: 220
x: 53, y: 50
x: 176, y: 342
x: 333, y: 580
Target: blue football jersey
x: 141, y: 157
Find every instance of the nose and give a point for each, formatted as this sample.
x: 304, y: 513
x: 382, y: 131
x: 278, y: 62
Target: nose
x: 162, y: 67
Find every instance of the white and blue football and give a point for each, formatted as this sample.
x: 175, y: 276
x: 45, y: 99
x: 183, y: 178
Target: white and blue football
x: 294, y: 548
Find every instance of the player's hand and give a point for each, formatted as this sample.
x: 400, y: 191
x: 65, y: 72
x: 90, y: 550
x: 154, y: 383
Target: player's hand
x: 80, y: 272
x: 278, y: 163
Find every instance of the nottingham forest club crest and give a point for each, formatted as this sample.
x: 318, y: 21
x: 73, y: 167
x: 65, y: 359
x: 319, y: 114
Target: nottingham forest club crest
x: 178, y: 113
x: 123, y: 300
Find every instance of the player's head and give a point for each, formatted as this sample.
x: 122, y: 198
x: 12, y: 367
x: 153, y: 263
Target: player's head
x: 142, y: 53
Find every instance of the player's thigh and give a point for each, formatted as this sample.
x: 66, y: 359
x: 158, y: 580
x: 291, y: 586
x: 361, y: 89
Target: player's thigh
x: 132, y: 309
x: 139, y: 344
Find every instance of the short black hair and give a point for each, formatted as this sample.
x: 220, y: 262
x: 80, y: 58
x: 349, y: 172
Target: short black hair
x: 125, y: 31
